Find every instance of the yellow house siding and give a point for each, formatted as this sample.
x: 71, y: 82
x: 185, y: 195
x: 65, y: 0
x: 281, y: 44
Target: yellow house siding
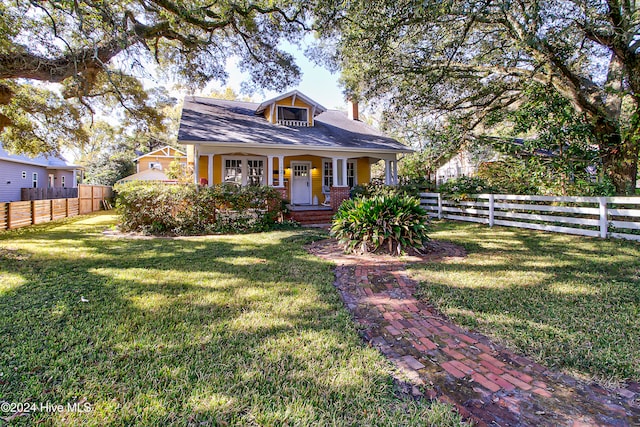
x: 363, y: 170
x: 217, y: 169
x: 203, y: 167
x: 143, y: 163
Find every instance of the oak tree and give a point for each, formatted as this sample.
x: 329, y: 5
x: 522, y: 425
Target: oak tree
x: 97, y: 52
x: 465, y: 60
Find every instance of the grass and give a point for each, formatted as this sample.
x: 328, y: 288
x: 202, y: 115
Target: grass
x: 219, y: 330
x: 572, y: 303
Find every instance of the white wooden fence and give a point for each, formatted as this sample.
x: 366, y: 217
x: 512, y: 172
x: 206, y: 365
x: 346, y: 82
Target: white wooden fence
x: 617, y: 217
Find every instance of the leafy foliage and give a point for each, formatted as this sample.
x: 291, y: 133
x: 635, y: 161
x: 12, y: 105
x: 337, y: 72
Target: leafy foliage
x: 178, y: 171
x: 408, y: 187
x: 189, y: 209
x: 531, y: 176
x: 393, y: 223
x: 98, y: 52
x: 458, y: 63
x: 460, y: 188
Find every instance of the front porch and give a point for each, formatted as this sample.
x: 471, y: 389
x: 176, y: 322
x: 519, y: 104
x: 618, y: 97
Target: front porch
x: 313, y: 178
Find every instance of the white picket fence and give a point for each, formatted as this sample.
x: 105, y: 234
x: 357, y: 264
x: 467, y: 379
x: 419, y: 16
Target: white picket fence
x: 616, y: 217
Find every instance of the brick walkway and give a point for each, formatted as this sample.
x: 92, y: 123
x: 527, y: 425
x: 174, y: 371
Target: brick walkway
x: 486, y: 382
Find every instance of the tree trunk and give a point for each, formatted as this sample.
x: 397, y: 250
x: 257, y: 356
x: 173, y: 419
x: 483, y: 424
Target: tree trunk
x: 620, y: 160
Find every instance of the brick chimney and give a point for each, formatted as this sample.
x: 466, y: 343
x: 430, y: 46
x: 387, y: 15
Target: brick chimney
x: 352, y: 110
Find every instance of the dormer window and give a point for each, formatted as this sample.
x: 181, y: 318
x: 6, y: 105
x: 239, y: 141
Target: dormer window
x: 293, y: 116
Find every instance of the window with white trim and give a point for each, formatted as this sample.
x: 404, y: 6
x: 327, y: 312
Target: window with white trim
x: 155, y: 165
x: 34, y: 179
x: 232, y: 171
x: 244, y: 170
x: 62, y: 181
x: 24, y: 174
x: 255, y: 172
x: 351, y: 174
x: 293, y: 116
x: 327, y: 174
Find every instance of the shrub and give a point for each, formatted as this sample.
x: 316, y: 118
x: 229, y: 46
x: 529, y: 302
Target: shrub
x: 188, y: 209
x: 392, y: 223
x: 462, y: 187
x: 407, y: 187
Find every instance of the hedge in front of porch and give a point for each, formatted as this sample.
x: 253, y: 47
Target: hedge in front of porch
x: 189, y: 209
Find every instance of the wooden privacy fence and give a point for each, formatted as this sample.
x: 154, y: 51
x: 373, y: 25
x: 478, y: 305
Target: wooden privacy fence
x: 48, y: 193
x: 91, y: 197
x: 21, y: 214
x: 616, y: 217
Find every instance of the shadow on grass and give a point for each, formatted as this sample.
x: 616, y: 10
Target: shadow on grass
x: 226, y: 330
x: 570, y: 302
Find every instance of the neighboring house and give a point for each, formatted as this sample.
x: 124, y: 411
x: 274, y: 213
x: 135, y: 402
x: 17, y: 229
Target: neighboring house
x: 467, y: 160
x: 152, y: 166
x: 160, y: 159
x: 311, y: 154
x: 43, y: 171
x: 464, y: 163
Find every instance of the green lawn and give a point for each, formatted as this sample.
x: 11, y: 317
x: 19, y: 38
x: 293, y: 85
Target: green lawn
x: 570, y: 302
x: 220, y: 330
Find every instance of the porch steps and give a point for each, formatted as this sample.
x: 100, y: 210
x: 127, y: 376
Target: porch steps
x: 312, y: 217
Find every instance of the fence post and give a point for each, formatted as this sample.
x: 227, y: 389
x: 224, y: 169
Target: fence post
x: 491, y: 199
x: 33, y: 212
x: 51, y: 210
x: 9, y: 215
x: 66, y: 208
x: 604, y: 214
x: 439, y: 206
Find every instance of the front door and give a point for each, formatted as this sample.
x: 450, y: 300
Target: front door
x: 301, y: 183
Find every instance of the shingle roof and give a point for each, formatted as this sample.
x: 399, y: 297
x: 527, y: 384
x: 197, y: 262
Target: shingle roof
x: 210, y: 120
x: 47, y: 161
x: 147, y: 175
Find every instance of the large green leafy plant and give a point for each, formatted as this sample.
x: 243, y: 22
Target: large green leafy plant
x: 393, y: 224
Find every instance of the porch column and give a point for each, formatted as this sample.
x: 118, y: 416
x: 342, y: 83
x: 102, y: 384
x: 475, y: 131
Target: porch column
x: 280, y: 171
x: 196, y: 164
x: 334, y: 164
x: 270, y: 171
x: 345, y: 182
x: 210, y: 170
x: 395, y: 172
x: 387, y: 172
x: 75, y: 178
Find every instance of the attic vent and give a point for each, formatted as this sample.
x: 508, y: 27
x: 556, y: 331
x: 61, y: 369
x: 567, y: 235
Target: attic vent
x: 293, y: 116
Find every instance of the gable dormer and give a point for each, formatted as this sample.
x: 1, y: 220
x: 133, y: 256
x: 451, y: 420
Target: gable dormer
x: 292, y: 109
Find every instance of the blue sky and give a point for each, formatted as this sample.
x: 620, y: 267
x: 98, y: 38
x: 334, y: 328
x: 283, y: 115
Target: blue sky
x: 317, y: 83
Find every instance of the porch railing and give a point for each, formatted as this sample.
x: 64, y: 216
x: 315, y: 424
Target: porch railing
x: 297, y: 123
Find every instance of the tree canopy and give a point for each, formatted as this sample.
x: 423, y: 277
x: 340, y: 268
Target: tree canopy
x: 466, y: 60
x: 97, y: 52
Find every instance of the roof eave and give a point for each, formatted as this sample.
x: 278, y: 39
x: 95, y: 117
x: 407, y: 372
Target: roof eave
x: 65, y: 167
x: 158, y: 149
x: 300, y: 148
